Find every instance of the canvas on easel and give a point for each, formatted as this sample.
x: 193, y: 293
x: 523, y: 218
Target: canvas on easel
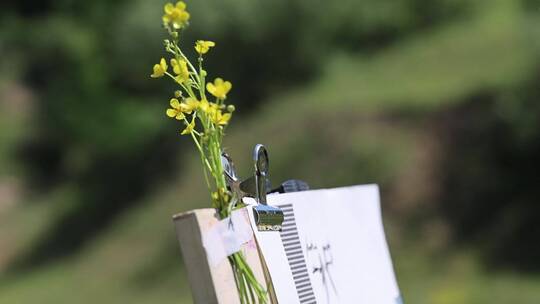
x: 331, y: 249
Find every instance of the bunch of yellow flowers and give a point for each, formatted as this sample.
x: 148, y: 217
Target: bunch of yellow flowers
x: 192, y: 82
x: 204, y: 121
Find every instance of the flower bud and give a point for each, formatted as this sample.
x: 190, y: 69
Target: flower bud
x: 231, y: 108
x: 177, y: 93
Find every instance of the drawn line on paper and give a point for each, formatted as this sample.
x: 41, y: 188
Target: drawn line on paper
x: 297, y: 261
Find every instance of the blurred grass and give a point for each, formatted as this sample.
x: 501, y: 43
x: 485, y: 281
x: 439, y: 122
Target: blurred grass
x: 137, y: 260
x: 435, y: 68
x: 458, y: 278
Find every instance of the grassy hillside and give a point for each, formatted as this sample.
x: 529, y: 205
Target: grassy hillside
x: 366, y: 118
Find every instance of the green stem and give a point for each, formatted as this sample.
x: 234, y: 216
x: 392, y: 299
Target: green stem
x: 202, y: 79
x: 187, y: 60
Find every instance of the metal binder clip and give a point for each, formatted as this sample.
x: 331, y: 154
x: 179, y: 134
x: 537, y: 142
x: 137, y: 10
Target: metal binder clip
x: 267, y: 218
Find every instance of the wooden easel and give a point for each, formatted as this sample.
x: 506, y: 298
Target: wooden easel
x: 213, y: 284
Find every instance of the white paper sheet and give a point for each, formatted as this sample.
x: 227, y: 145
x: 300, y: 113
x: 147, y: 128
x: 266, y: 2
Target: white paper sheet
x: 274, y: 256
x: 332, y: 248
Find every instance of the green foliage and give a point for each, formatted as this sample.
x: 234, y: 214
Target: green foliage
x: 366, y: 87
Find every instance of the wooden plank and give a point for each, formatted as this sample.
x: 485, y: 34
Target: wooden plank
x: 212, y: 284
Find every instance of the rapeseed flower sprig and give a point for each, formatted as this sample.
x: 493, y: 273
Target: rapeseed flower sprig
x: 205, y: 121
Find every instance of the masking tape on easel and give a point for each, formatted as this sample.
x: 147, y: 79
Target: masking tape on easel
x: 227, y: 237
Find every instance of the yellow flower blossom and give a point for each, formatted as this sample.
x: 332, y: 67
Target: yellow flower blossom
x: 204, y: 105
x: 219, y: 118
x: 176, y: 15
x: 160, y: 69
x: 176, y: 110
x: 189, y: 105
x: 202, y: 46
x: 180, y: 68
x: 219, y: 88
x: 213, y: 107
x: 189, y: 127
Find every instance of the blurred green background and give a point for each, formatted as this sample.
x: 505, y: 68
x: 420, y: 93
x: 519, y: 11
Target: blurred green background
x: 435, y: 100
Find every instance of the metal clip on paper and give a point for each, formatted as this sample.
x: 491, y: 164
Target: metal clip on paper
x: 267, y: 218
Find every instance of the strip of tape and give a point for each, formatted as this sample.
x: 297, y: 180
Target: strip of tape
x: 227, y: 237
